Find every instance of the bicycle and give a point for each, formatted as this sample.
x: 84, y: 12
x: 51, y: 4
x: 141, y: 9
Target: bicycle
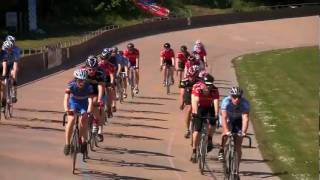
x: 168, y: 80
x: 75, y: 141
x: 9, y: 91
x: 230, y: 164
x: 120, y: 86
x: 92, y: 136
x: 132, y: 79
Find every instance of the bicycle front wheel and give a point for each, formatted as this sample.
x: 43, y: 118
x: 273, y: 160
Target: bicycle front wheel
x: 203, y: 153
x: 75, y: 147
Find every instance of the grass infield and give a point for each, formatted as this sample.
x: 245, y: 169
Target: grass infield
x: 283, y: 89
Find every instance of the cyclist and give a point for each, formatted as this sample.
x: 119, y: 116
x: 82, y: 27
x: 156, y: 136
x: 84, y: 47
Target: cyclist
x: 11, y: 54
x: 78, y: 97
x: 185, y: 95
x: 123, y: 68
x: 109, y: 71
x: 133, y: 55
x: 123, y: 65
x: 182, y: 57
x: 235, y: 119
x: 190, y: 62
x: 167, y: 61
x: 96, y: 77
x: 200, y: 49
x: 205, y: 104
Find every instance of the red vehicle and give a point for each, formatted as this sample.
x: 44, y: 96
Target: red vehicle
x: 152, y: 7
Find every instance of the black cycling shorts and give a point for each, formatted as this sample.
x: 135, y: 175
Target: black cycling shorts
x: 181, y: 66
x: 187, y: 96
x: 204, y: 114
x: 235, y: 125
x: 167, y: 62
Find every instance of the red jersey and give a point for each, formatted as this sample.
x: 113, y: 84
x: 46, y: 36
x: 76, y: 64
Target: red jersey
x: 167, y: 54
x: 205, y: 99
x: 182, y: 57
x: 132, y: 55
x: 107, y: 67
x: 200, y: 50
x: 188, y: 64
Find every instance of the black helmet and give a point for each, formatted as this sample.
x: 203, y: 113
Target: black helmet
x: 183, y: 48
x: 130, y: 46
x: 92, y: 61
x: 208, y: 79
x: 166, y: 45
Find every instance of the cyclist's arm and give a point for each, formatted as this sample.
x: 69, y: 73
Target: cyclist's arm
x: 138, y: 61
x: 119, y: 69
x: 216, y: 107
x: 66, y: 101
x: 173, y: 61
x: 111, y: 78
x: 161, y: 61
x: 245, y: 122
x: 224, y: 121
x: 194, y: 103
x: 90, y: 107
x: 100, y: 91
x: 4, y: 68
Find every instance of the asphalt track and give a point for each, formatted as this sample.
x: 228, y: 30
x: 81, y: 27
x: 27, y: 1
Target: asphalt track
x: 145, y: 138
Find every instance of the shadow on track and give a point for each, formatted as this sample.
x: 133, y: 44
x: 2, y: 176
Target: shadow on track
x: 137, y: 125
x: 139, y: 118
x: 37, y: 110
x: 137, y: 111
x: 121, y: 135
x: 123, y: 163
x: 158, y: 98
x: 262, y: 174
x: 32, y: 127
x: 119, y: 150
x: 142, y: 103
x: 18, y: 118
x: 107, y: 175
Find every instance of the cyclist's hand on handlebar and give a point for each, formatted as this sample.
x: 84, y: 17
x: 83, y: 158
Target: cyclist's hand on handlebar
x: 228, y: 133
x: 194, y: 115
x: 181, y: 107
x: 100, y: 104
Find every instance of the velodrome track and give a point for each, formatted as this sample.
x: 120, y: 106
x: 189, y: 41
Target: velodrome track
x: 145, y: 138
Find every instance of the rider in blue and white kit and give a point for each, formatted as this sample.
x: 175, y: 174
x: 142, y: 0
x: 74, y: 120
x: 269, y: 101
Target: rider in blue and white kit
x: 10, y: 55
x: 235, y: 119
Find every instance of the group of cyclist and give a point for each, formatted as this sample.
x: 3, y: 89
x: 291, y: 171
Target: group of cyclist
x: 9, y: 56
x: 92, y: 91
x: 199, y: 99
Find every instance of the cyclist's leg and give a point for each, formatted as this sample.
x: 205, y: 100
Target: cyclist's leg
x: 113, y: 95
x: 69, y: 128
x: 14, y: 74
x: 164, y: 71
x: 237, y: 127
x: 83, y: 125
x: 187, y: 114
x: 211, y: 127
x: 137, y: 78
x: 171, y: 69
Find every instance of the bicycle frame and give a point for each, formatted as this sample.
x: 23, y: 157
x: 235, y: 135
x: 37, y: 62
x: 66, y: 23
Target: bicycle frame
x: 8, y: 94
x: 230, y: 164
x: 132, y: 79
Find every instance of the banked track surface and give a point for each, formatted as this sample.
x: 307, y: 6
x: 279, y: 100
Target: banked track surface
x: 145, y: 138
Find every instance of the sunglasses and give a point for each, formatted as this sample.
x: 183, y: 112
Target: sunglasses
x: 91, y: 70
x: 235, y: 97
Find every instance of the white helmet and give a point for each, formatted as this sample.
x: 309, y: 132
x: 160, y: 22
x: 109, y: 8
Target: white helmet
x: 198, y: 41
x: 11, y: 38
x: 80, y: 74
x: 236, y: 91
x: 7, y: 45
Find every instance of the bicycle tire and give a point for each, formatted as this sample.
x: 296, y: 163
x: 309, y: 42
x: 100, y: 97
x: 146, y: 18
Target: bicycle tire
x: 74, y: 149
x: 8, y: 107
x: 234, y: 166
x: 168, y: 79
x: 203, y: 149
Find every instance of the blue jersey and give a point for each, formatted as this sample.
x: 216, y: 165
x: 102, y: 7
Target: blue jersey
x: 123, y: 61
x: 78, y: 94
x: 235, y: 111
x: 12, y: 56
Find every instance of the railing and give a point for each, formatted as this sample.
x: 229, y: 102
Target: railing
x: 89, y: 35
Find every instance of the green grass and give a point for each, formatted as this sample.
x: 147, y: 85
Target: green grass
x: 282, y: 87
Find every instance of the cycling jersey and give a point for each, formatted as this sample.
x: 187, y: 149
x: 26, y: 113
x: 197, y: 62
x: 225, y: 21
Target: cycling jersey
x: 79, y: 97
x: 12, y: 56
x: 183, y: 58
x: 167, y: 55
x: 205, y: 99
x: 200, y: 50
x: 94, y: 80
x: 123, y: 61
x: 132, y: 56
x: 187, y: 85
x: 235, y: 112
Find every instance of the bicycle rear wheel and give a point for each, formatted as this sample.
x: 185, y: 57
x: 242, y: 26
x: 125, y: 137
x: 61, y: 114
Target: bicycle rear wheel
x: 203, y: 152
x: 168, y: 80
x: 8, y: 108
x: 75, y: 147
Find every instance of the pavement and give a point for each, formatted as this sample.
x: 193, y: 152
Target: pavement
x: 145, y: 139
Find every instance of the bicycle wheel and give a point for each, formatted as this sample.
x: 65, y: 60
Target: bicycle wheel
x: 234, y: 166
x: 8, y: 107
x: 132, y: 80
x: 90, y: 134
x: 168, y: 80
x: 203, y: 152
x: 228, y: 161
x: 75, y: 147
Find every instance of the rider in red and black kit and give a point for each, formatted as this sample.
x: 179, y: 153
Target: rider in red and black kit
x: 182, y: 58
x: 133, y: 55
x: 205, y: 107
x: 167, y: 61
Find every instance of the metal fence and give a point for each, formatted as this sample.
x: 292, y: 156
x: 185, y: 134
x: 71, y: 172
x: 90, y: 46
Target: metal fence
x: 89, y: 35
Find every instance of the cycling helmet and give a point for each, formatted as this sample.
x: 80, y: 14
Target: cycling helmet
x: 130, y: 46
x: 7, y: 45
x: 193, y: 70
x: 11, y: 38
x: 115, y: 49
x: 236, y: 91
x: 92, y: 61
x: 80, y: 74
x: 183, y: 48
x: 106, y: 52
x: 208, y: 79
x: 167, y: 45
